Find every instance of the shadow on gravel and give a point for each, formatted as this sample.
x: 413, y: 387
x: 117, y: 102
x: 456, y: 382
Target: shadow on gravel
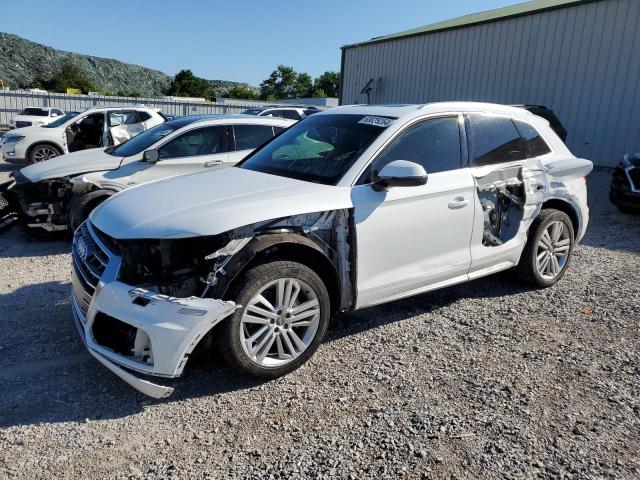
x: 47, y: 376
x: 17, y: 242
x: 8, y: 167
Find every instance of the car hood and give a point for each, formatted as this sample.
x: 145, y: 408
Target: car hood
x: 32, y: 118
x: 73, y: 164
x: 210, y: 203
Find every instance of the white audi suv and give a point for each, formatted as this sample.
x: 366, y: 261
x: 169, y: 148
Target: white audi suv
x: 349, y: 208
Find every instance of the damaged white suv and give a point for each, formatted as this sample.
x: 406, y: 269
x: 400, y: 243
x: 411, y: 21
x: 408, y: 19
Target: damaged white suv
x: 349, y: 208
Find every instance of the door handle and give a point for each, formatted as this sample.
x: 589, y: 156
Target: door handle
x: 212, y: 163
x: 458, y: 202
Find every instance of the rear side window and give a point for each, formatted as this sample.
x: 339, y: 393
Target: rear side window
x: 144, y: 116
x: 434, y: 144
x: 534, y: 143
x: 251, y: 136
x: 291, y: 114
x: 493, y: 140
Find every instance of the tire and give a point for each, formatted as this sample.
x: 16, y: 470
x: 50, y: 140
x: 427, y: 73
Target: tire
x: 234, y: 336
x: 81, y: 206
x: 529, y: 268
x: 42, y: 152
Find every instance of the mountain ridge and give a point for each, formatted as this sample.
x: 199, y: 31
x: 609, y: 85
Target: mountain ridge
x: 22, y: 61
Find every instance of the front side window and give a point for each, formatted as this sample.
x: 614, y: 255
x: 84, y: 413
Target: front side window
x: 320, y: 148
x: 199, y: 141
x: 433, y: 143
x: 534, y: 143
x: 251, y: 136
x: 493, y: 140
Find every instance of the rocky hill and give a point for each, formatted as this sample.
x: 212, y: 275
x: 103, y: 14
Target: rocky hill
x: 22, y: 60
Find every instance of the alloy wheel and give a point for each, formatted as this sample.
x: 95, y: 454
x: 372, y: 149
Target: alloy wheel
x: 280, y: 322
x: 552, y: 250
x: 44, y: 153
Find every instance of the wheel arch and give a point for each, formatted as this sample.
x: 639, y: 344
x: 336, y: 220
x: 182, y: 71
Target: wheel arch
x: 292, y: 247
x: 565, y: 207
x: 50, y: 143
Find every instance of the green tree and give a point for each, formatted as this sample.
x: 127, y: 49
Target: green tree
x: 329, y: 83
x: 69, y: 75
x: 241, y: 91
x: 186, y: 84
x: 304, y: 86
x: 282, y: 83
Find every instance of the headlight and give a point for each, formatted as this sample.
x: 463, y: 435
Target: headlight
x: 37, y: 124
x: 13, y: 139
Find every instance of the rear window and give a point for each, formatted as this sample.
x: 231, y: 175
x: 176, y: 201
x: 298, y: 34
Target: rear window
x: 35, y: 112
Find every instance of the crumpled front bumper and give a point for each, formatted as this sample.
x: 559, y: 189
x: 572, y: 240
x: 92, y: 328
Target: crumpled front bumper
x: 174, y: 328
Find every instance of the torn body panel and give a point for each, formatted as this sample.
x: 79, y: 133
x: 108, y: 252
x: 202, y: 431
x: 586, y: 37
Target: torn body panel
x: 329, y: 233
x: 511, y: 198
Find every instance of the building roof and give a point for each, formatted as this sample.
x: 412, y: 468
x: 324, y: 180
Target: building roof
x: 517, y: 10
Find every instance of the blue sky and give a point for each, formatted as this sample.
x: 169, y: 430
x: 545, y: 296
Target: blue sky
x: 241, y: 40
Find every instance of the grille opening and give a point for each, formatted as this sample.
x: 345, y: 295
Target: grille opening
x: 114, y: 334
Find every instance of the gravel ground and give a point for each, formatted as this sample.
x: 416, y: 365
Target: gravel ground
x: 486, y: 379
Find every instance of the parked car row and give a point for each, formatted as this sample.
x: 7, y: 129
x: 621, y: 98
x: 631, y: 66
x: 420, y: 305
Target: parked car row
x: 347, y: 208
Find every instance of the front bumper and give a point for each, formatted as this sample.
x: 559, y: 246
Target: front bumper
x: 163, y: 330
x: 14, y: 152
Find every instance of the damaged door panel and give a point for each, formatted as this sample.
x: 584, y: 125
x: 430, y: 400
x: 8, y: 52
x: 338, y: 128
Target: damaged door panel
x: 510, y: 198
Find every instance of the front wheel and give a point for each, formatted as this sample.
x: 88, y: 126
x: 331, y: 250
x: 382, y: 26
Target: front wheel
x: 548, y: 251
x: 42, y: 152
x: 283, y: 316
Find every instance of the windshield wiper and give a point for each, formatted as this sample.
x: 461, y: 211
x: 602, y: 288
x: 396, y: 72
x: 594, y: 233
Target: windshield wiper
x: 109, y: 150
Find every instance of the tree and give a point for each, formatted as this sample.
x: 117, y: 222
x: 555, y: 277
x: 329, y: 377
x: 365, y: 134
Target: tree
x: 329, y: 83
x: 281, y: 83
x: 68, y: 76
x: 304, y: 86
x: 241, y: 91
x: 186, y: 84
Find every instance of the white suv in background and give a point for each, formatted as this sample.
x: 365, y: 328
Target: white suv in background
x: 61, y: 192
x: 35, y: 116
x: 290, y: 112
x: 91, y: 128
x: 352, y: 207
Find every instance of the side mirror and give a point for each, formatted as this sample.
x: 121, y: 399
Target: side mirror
x: 399, y: 173
x: 151, y: 156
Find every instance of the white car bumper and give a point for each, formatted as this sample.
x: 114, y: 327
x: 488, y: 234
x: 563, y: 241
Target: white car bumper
x: 14, y: 152
x: 132, y: 331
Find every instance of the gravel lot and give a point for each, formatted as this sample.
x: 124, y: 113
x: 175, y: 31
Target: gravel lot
x: 486, y: 379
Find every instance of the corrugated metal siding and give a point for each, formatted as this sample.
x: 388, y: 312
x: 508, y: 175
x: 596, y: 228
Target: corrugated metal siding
x: 583, y: 61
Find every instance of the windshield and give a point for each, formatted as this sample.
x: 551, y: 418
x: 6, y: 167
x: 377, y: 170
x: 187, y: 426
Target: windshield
x: 320, y: 148
x: 143, y: 141
x: 252, y: 111
x: 36, y: 112
x: 62, y: 120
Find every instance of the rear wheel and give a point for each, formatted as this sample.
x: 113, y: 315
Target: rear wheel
x: 42, y: 152
x: 548, y: 251
x: 282, y: 320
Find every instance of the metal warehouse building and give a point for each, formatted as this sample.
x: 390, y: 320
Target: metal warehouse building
x: 579, y: 57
